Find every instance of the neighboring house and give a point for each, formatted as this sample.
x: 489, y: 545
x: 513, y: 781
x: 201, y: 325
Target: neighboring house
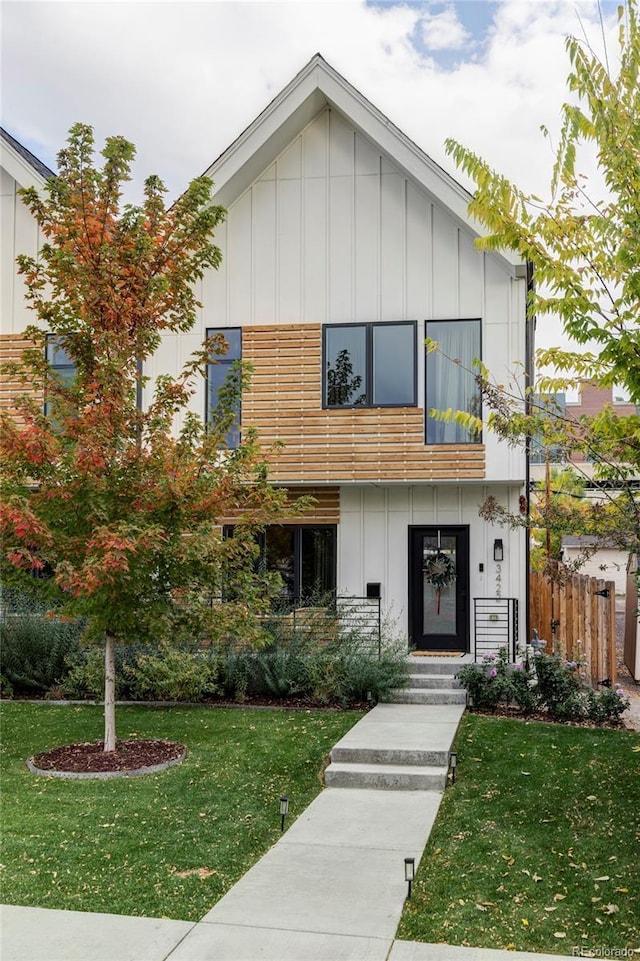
x: 588, y: 400
x: 608, y: 562
x: 344, y: 248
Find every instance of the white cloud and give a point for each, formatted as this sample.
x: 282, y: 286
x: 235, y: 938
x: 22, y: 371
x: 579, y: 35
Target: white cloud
x: 183, y: 79
x: 443, y: 31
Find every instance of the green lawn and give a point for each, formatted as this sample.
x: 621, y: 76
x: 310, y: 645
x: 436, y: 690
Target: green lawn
x: 537, y: 846
x: 164, y: 845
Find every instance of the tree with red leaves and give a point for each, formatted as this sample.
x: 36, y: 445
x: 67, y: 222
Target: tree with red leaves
x: 122, y: 512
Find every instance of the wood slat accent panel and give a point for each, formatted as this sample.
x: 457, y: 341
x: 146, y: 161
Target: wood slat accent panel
x: 11, y: 348
x: 325, y: 510
x: 365, y: 444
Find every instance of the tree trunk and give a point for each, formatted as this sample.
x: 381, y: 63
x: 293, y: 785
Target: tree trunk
x: 109, y: 693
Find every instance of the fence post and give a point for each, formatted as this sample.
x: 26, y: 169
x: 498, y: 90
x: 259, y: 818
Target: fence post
x: 613, y: 652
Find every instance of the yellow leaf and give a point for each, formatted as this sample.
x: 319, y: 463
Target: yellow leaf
x: 525, y: 922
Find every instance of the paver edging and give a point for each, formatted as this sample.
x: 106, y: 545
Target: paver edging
x: 104, y: 775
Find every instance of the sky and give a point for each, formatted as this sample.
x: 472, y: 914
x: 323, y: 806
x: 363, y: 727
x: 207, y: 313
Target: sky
x: 181, y: 80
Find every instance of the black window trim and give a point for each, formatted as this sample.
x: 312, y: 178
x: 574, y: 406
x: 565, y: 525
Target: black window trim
x: 448, y: 320
x: 369, y: 326
x: 297, y: 550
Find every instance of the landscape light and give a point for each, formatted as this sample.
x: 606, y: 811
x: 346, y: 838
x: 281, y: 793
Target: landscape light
x: 284, y: 810
x: 409, y: 872
x: 453, y: 763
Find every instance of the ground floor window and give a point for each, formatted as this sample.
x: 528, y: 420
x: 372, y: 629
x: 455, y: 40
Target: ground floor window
x: 304, y: 556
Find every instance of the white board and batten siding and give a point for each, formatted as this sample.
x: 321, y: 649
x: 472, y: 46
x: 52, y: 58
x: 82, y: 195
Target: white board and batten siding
x: 333, y: 232
x: 373, y: 543
x: 19, y: 234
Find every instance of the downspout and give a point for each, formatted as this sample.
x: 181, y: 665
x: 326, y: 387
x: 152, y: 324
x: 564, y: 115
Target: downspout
x: 530, y: 332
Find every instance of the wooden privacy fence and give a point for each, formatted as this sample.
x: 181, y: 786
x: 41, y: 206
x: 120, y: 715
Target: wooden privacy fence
x: 577, y: 619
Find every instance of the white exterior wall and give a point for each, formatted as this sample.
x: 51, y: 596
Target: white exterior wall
x: 332, y: 232
x: 19, y: 234
x: 373, y: 541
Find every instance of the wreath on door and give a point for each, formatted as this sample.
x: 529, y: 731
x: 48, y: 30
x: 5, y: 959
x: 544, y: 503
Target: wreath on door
x: 440, y: 571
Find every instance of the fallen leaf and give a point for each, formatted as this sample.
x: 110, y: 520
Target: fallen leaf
x: 551, y: 909
x: 605, y: 877
x: 559, y: 934
x: 591, y: 797
x: 610, y: 908
x: 525, y: 922
x: 536, y: 877
x: 622, y: 890
x: 480, y: 907
x: 526, y: 773
x: 559, y: 897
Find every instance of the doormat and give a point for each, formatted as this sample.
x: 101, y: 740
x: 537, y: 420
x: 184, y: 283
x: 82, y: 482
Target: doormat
x: 438, y: 653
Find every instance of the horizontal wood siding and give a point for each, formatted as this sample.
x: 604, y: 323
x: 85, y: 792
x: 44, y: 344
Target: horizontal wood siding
x: 325, y: 508
x: 364, y: 444
x: 11, y: 348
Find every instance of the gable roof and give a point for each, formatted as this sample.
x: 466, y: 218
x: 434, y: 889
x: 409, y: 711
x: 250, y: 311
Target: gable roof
x: 315, y: 87
x: 21, y: 164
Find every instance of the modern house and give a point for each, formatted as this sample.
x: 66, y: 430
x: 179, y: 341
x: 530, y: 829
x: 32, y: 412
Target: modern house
x: 345, y: 248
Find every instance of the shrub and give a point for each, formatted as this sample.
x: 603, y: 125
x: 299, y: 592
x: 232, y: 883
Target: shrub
x: 316, y: 661
x: 495, y: 682
x: 172, y: 675
x: 34, y: 649
x: 558, y: 685
x: 553, y: 684
x: 607, y: 705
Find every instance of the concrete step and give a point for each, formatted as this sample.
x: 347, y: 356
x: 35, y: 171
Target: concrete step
x: 421, y: 696
x: 433, y: 665
x: 433, y: 681
x: 405, y: 757
x: 386, y: 777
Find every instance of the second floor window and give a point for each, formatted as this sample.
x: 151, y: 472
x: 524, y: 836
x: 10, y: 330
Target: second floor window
x: 62, y: 367
x: 370, y: 365
x: 218, y: 371
x: 451, y: 382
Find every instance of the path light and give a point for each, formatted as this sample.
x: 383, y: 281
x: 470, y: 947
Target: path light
x: 498, y: 550
x: 409, y: 872
x: 453, y: 763
x: 284, y: 810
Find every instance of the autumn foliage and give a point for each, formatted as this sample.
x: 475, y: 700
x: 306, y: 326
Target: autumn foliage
x: 121, y: 503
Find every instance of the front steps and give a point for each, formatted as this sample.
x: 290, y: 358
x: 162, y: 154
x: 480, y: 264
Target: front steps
x: 432, y: 681
x: 404, y: 745
x: 386, y: 777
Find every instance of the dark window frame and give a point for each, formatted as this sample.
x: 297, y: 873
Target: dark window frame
x: 369, y: 327
x: 224, y: 361
x: 427, y: 406
x: 298, y: 530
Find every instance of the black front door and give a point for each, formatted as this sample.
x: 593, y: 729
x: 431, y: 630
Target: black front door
x: 439, y: 588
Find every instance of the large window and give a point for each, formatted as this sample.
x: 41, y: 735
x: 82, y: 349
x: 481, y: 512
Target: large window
x: 450, y: 379
x: 304, y: 556
x: 219, y: 371
x: 370, y: 365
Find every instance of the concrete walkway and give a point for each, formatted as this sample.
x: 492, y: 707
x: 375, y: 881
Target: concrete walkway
x: 331, y: 889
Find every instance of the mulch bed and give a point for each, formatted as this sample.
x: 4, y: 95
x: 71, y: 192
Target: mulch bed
x: 92, y: 758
